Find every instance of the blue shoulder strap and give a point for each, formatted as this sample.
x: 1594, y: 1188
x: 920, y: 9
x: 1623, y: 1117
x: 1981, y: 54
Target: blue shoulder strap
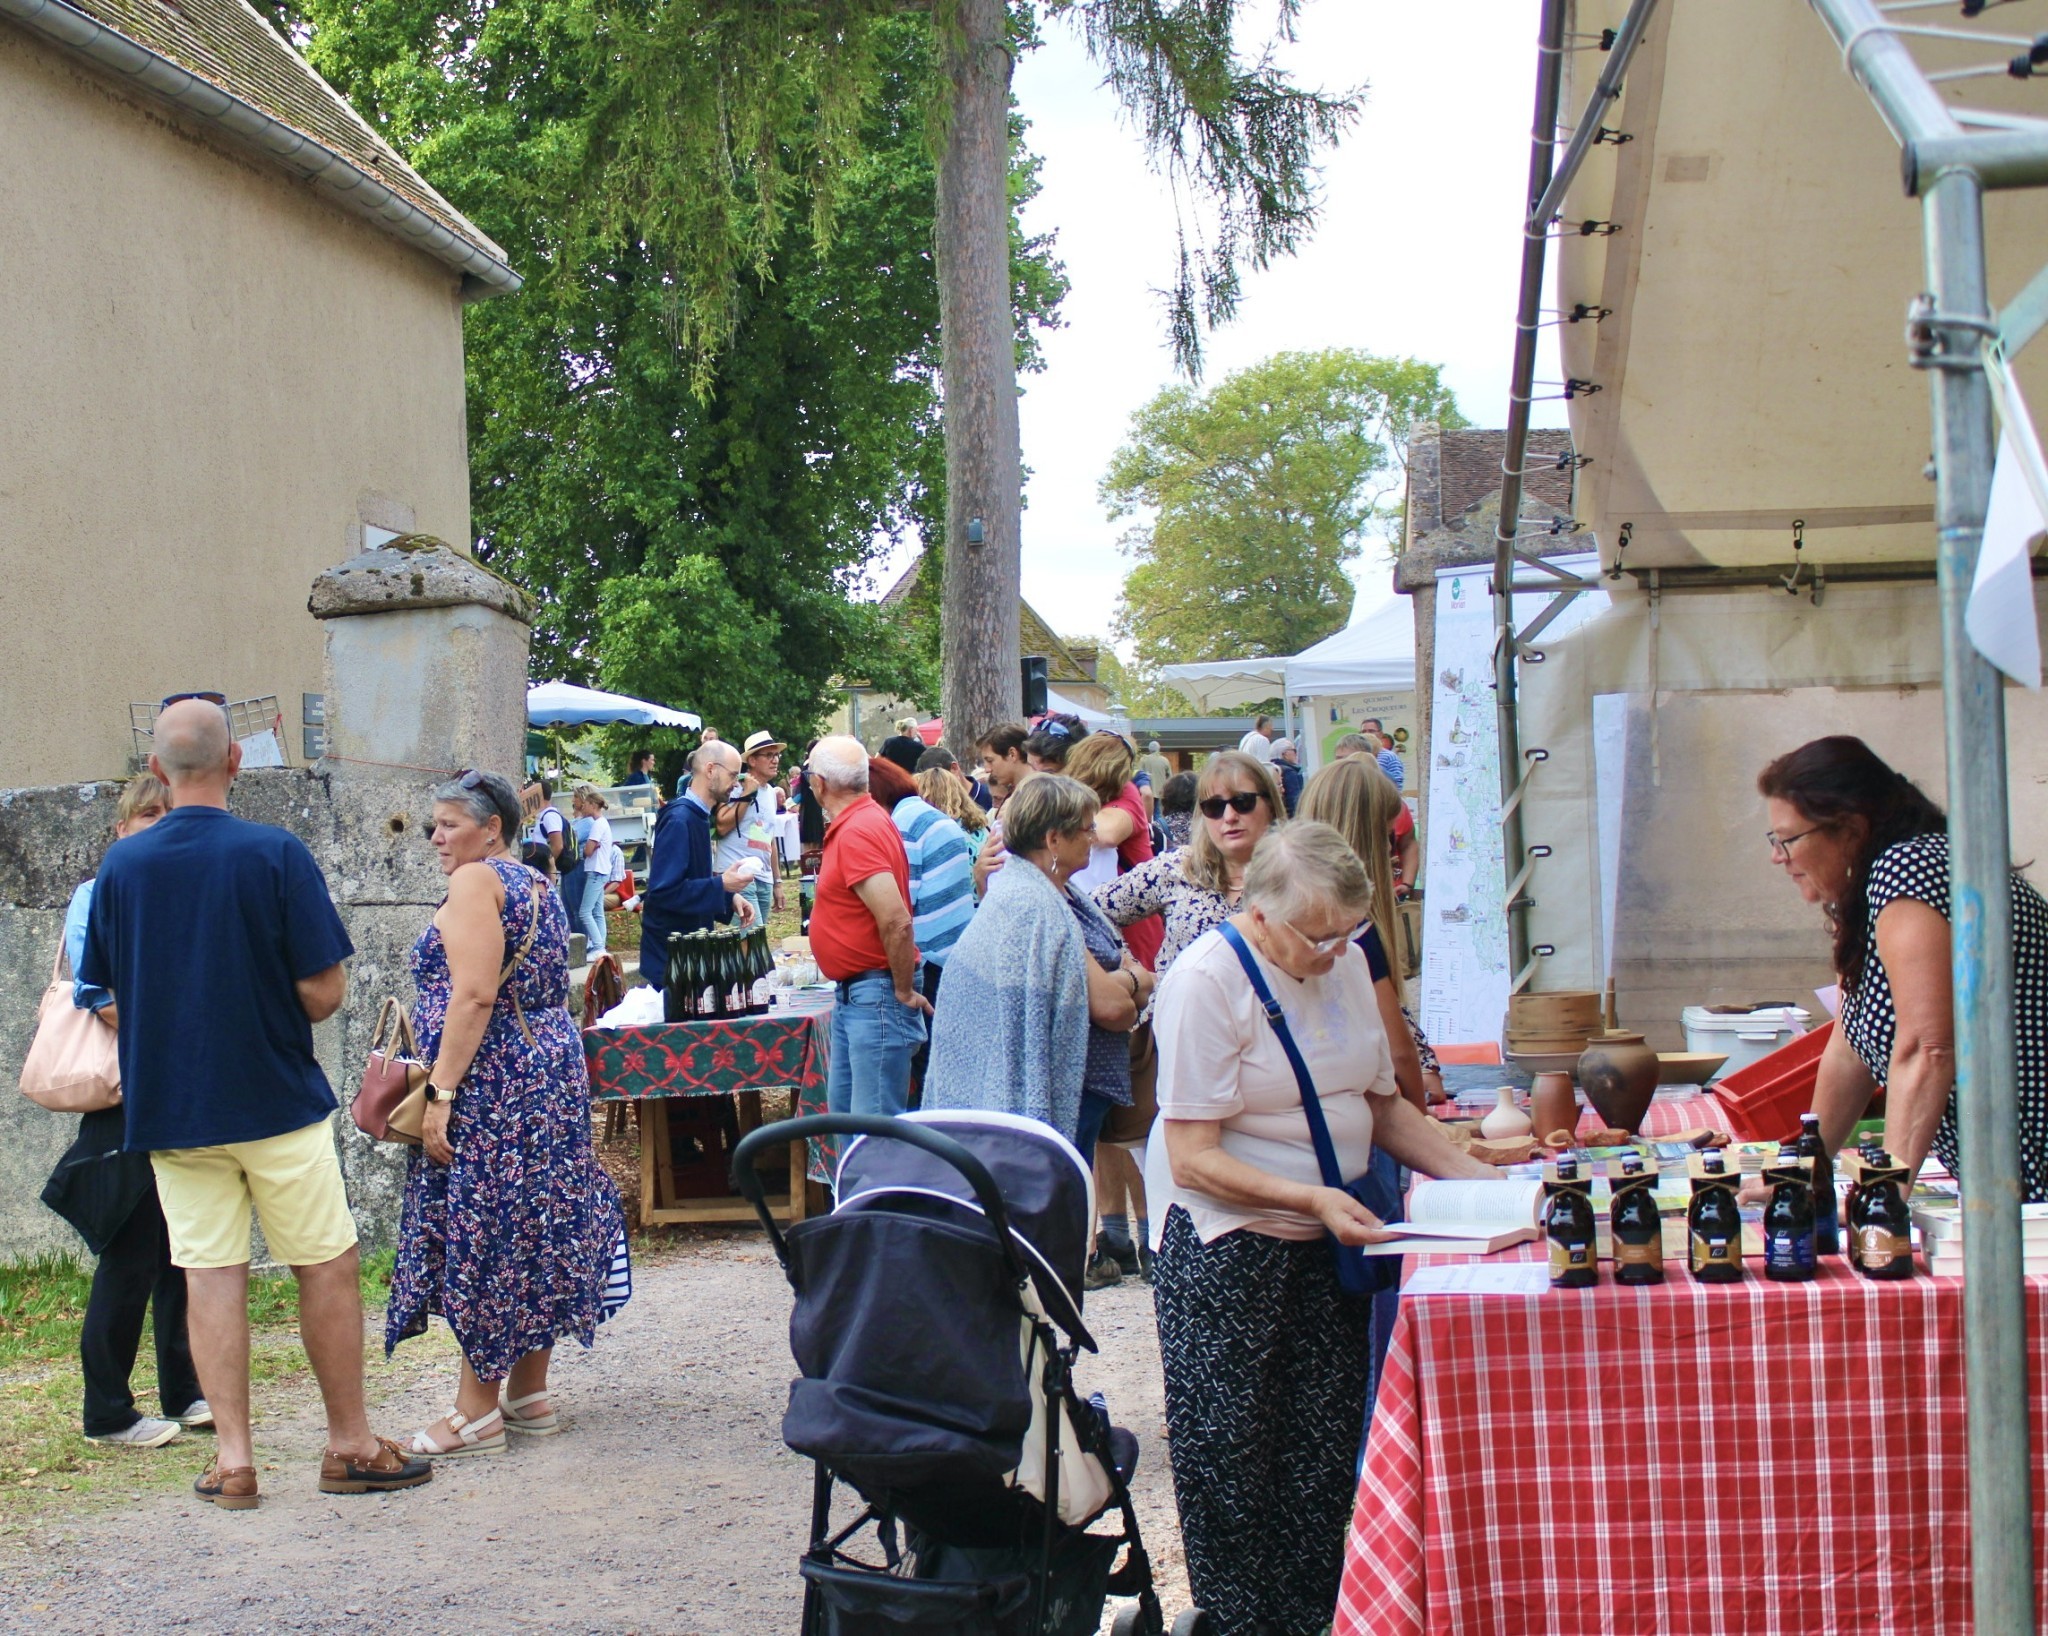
x: 1311, y: 1103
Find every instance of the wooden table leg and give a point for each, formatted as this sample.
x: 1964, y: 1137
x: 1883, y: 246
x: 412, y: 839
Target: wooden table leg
x: 664, y: 1154
x: 644, y: 1118
x: 799, y: 1180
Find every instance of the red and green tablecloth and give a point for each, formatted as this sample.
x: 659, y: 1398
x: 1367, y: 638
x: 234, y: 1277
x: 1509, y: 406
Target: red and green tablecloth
x: 714, y: 1056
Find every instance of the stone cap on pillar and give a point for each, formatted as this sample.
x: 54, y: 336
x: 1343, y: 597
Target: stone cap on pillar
x: 414, y: 571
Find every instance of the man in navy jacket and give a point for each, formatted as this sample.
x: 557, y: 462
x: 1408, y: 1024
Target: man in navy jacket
x: 682, y: 894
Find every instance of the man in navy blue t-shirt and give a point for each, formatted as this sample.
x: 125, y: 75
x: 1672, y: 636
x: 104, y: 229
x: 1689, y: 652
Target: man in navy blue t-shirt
x: 222, y: 948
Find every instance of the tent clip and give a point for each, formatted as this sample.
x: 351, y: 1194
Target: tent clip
x: 1929, y: 345
x: 1621, y: 542
x: 1582, y: 311
x: 1607, y: 133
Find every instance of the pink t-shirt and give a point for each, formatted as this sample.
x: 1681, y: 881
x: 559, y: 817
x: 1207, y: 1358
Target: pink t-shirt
x: 1220, y: 1060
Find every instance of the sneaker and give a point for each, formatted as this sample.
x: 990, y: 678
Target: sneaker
x: 197, y: 1416
x: 144, y: 1434
x: 1102, y: 1272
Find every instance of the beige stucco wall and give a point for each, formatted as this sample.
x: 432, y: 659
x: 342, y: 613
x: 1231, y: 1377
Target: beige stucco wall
x: 209, y: 380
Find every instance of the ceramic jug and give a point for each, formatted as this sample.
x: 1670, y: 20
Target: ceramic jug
x: 1619, y: 1073
x: 1504, y: 1121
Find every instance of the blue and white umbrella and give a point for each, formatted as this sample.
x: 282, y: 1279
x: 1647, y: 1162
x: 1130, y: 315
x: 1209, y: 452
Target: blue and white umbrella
x: 562, y: 704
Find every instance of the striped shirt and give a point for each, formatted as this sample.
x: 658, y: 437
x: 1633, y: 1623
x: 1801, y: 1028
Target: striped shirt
x: 941, y: 876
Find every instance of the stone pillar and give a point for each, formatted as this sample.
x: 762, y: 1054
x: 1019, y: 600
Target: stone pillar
x: 426, y: 662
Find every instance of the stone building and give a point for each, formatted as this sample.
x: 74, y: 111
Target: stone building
x: 234, y: 357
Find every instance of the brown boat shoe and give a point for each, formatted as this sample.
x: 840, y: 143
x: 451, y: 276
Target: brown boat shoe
x: 232, y: 1488
x: 391, y: 1468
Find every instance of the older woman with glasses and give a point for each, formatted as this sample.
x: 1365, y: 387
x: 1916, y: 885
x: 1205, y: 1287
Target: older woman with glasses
x: 1862, y: 841
x: 1266, y: 1358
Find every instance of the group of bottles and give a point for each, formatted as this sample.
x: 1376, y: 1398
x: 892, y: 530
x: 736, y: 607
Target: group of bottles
x: 1799, y: 1224
x: 713, y: 973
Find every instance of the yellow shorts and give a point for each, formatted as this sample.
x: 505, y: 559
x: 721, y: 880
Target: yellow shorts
x: 293, y: 1181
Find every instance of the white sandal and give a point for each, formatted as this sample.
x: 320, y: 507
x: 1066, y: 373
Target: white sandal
x: 537, y: 1425
x: 471, y: 1438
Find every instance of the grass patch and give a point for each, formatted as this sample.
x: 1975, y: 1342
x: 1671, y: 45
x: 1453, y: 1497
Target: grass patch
x: 46, y: 1465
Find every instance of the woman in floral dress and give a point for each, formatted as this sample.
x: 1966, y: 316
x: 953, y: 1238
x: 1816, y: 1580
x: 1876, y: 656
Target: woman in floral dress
x: 511, y: 1230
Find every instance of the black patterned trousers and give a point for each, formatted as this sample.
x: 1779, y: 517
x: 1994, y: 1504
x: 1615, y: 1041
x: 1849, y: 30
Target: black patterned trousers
x: 1266, y: 1361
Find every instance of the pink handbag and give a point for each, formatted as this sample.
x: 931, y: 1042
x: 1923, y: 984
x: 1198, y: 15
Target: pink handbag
x: 74, y: 1062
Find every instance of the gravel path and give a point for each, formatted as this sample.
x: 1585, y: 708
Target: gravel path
x: 669, y: 1504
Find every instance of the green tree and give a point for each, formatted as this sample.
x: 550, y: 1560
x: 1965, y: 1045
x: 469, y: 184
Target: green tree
x: 694, y: 522
x: 1255, y: 494
x: 1135, y: 687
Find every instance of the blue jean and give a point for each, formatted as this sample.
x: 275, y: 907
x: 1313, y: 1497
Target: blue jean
x: 763, y: 893
x: 874, y: 1036
x: 572, y: 885
x: 589, y: 914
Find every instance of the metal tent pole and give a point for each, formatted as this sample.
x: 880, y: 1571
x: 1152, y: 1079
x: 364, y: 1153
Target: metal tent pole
x: 1528, y: 312
x: 1946, y: 335
x: 1980, y: 922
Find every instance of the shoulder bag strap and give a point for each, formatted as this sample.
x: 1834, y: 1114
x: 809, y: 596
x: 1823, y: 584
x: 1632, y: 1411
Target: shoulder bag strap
x: 57, y: 965
x: 519, y: 954
x: 1311, y: 1104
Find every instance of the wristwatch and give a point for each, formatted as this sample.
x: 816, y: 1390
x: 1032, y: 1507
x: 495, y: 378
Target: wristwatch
x: 436, y: 1094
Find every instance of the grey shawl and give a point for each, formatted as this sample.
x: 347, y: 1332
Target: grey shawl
x: 1010, y: 1032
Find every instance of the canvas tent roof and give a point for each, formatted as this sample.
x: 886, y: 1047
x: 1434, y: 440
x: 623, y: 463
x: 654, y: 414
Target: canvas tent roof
x: 1370, y: 655
x: 1750, y: 369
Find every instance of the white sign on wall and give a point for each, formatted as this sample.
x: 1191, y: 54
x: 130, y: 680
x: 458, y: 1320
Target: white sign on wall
x: 1463, y: 991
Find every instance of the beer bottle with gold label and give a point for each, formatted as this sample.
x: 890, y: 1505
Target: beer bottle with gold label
x: 1879, y: 1222
x: 1568, y: 1224
x: 1637, y: 1227
x: 1713, y: 1224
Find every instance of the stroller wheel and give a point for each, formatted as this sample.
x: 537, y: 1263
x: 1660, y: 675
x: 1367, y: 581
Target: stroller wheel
x: 1194, y: 1623
x: 1126, y: 1624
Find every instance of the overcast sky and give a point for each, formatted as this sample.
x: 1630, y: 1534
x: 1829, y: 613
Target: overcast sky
x: 1417, y: 254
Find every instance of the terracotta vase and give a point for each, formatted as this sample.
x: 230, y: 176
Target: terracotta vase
x: 1554, y: 1106
x: 1504, y: 1120
x: 1619, y: 1075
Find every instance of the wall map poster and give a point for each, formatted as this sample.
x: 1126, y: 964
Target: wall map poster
x: 1464, y: 985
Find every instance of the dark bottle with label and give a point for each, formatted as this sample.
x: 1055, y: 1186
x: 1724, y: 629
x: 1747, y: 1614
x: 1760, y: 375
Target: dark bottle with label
x: 1637, y: 1227
x: 1879, y: 1223
x: 1713, y: 1224
x: 1789, y: 1220
x: 1827, y: 1224
x: 674, y: 997
x: 1568, y: 1224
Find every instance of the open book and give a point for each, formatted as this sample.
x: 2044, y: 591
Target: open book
x: 1464, y: 1218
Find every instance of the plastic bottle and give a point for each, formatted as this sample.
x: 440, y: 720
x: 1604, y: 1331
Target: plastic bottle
x: 1789, y: 1220
x: 1637, y: 1227
x: 1827, y: 1225
x: 1568, y: 1224
x: 1713, y: 1224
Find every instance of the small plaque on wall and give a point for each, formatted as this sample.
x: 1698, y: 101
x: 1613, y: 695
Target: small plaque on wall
x: 314, y: 713
x: 316, y: 743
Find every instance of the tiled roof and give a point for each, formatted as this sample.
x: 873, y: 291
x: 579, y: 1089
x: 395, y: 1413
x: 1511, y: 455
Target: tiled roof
x: 1034, y: 635
x: 226, y: 44
x: 1470, y: 470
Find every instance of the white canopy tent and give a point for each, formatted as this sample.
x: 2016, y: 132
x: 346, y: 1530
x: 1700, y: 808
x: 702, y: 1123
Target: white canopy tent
x: 563, y: 704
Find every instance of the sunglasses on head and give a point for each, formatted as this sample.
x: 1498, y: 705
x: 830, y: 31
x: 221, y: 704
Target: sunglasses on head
x: 220, y: 699
x: 472, y: 779
x: 1242, y: 801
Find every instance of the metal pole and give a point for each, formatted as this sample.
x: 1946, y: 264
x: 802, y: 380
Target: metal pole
x: 1980, y: 917
x: 1528, y: 311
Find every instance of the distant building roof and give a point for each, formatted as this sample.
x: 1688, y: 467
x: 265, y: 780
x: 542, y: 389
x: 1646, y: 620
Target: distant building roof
x: 221, y: 61
x: 1034, y: 635
x: 1469, y: 470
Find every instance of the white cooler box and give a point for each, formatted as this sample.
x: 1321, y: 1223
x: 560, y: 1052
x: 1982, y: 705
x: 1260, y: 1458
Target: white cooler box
x: 1746, y: 1036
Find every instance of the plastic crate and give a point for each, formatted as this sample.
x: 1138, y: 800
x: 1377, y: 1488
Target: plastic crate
x: 1763, y: 1101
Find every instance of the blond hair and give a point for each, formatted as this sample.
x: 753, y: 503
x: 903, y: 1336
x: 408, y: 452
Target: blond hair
x: 145, y: 792
x: 1103, y: 762
x: 947, y: 790
x: 1360, y: 802
x: 1204, y: 863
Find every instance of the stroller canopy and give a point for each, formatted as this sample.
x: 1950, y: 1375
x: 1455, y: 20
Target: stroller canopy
x: 1047, y: 1189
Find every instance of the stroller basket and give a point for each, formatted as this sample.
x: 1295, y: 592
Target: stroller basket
x: 968, y: 1593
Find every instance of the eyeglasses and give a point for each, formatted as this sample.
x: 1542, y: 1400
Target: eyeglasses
x: 472, y: 779
x: 220, y: 699
x: 1781, y: 845
x: 1325, y: 945
x: 1241, y: 801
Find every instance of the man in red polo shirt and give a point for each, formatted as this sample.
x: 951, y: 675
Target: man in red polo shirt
x: 861, y: 937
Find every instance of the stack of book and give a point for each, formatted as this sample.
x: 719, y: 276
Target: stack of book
x: 1941, y: 1238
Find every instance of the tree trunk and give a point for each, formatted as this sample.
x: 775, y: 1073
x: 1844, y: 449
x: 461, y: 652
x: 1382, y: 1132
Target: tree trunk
x: 984, y: 481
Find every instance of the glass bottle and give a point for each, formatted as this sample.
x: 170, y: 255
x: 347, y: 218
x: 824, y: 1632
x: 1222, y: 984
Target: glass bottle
x: 675, y: 995
x: 1713, y: 1224
x: 1637, y: 1227
x: 1879, y: 1222
x: 1789, y: 1220
x: 1568, y: 1224
x: 1827, y: 1225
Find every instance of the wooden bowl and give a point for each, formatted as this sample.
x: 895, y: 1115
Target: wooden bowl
x: 1688, y: 1067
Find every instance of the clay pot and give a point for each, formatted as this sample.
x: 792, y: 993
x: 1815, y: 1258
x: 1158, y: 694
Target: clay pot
x: 1504, y: 1121
x: 1619, y: 1074
x: 1554, y: 1106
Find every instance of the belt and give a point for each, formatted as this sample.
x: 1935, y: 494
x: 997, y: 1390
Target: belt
x: 843, y: 986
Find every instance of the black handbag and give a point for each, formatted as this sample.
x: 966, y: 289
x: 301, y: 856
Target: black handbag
x: 1357, y: 1272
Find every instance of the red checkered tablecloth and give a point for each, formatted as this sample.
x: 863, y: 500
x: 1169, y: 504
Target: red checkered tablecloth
x: 1688, y: 1459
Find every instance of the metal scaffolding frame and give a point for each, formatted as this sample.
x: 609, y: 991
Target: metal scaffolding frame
x: 1950, y: 156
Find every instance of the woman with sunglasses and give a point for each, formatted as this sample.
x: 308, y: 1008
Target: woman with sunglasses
x: 1862, y: 841
x: 1267, y: 1360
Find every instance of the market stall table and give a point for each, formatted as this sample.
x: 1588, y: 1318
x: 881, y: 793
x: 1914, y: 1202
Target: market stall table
x: 1684, y: 1458
x: 735, y: 1057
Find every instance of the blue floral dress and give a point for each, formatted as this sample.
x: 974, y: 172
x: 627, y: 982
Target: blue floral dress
x: 521, y: 1240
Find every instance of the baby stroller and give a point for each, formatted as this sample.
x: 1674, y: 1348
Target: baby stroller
x: 930, y: 1310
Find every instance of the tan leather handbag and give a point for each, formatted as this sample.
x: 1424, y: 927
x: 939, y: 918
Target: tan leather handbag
x: 391, y: 1105
x: 74, y: 1061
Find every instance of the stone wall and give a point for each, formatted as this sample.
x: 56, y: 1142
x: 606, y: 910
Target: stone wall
x: 370, y: 839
